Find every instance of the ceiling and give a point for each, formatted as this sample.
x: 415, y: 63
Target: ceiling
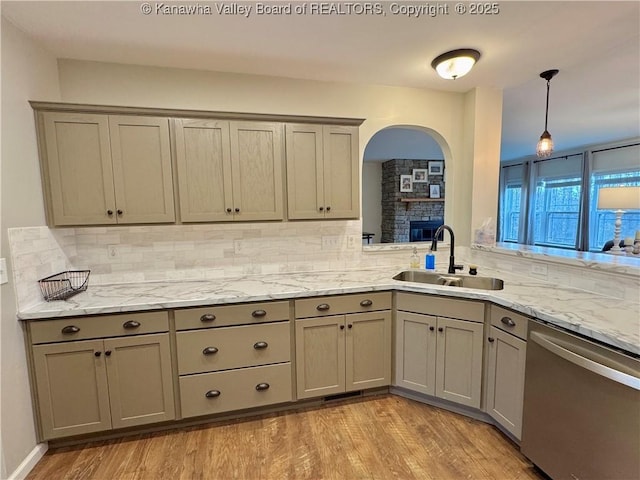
x: 595, y: 44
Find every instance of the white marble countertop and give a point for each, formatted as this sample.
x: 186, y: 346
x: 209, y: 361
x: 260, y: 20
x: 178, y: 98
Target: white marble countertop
x: 609, y: 320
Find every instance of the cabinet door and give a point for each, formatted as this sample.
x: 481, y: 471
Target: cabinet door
x: 141, y: 154
x: 305, y: 190
x: 140, y: 379
x: 203, y: 161
x: 77, y: 169
x: 320, y: 361
x: 257, y: 157
x: 341, y: 172
x: 459, y: 361
x: 416, y: 352
x: 505, y: 379
x: 368, y: 350
x: 73, y: 397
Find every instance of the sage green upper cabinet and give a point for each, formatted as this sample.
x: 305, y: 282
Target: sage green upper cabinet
x: 229, y: 171
x: 322, y: 171
x: 105, y: 169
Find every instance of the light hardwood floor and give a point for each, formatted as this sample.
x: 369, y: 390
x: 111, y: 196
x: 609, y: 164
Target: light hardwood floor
x: 383, y: 437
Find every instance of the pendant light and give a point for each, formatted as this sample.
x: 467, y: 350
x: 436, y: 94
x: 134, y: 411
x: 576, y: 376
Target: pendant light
x: 545, y: 144
x: 456, y: 63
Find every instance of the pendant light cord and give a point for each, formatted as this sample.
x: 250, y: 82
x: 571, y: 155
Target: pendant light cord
x: 546, y: 113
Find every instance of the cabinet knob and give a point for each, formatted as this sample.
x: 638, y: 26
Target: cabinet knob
x: 207, y: 317
x: 260, y: 345
x: 366, y: 303
x: 262, y: 386
x: 229, y: 210
x: 321, y: 209
x: 350, y: 325
x: 328, y: 209
x: 237, y: 210
x: 110, y: 212
x: 210, y: 351
x: 258, y: 313
x: 508, y: 322
x: 69, y: 329
x: 212, y: 394
x: 323, y: 307
x: 341, y: 327
x: 97, y: 354
x: 432, y: 328
x: 440, y: 329
x: 491, y: 339
x: 120, y: 212
x: 108, y: 353
x: 131, y: 324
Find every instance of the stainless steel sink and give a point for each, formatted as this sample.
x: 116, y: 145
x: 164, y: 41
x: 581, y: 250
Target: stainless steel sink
x: 482, y: 283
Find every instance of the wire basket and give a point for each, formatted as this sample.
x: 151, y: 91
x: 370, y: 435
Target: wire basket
x: 64, y: 285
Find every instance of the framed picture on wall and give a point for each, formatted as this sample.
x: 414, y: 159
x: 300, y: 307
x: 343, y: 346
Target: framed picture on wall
x: 406, y: 183
x: 420, y: 175
x: 434, y: 191
x: 436, y: 168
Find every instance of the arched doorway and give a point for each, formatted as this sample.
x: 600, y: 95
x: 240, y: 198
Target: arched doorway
x: 395, y: 212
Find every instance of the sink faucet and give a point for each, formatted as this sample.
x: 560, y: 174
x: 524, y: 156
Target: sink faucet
x: 434, y: 247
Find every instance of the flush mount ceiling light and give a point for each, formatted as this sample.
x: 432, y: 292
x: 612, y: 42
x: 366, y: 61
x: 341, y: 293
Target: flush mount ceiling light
x: 545, y: 144
x: 456, y: 63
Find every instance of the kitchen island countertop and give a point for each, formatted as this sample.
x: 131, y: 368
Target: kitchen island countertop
x: 609, y: 320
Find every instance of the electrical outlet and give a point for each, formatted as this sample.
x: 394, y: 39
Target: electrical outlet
x: 351, y: 242
x: 113, y: 251
x: 538, y: 269
x: 330, y: 242
x: 4, y: 278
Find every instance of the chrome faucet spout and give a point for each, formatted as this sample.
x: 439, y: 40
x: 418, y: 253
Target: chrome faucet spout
x: 434, y: 247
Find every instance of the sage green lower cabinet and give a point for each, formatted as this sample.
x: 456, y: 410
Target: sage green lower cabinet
x: 95, y: 385
x: 506, y: 355
x: 437, y: 355
x: 346, y: 352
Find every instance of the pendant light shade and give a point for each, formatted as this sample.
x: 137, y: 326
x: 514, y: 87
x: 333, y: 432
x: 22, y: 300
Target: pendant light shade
x: 456, y: 63
x: 545, y: 144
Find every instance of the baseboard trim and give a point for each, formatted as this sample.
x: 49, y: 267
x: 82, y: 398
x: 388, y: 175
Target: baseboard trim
x: 29, y: 462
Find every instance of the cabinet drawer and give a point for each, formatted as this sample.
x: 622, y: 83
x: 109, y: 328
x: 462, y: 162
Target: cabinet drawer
x: 225, y: 315
x: 340, y: 304
x: 209, y: 393
x: 440, y: 306
x: 80, y: 328
x: 509, y: 321
x: 233, y: 347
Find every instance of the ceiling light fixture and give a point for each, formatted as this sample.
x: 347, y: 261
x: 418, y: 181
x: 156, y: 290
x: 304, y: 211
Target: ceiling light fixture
x: 545, y: 144
x: 456, y: 63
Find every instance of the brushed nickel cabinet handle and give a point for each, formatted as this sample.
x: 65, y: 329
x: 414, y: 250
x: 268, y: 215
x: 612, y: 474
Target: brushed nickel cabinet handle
x: 323, y: 307
x: 508, y: 322
x: 209, y: 351
x: 258, y: 313
x: 212, y: 394
x: 131, y: 324
x: 207, y: 317
x: 260, y: 345
x: 70, y: 329
x: 366, y: 303
x: 262, y: 386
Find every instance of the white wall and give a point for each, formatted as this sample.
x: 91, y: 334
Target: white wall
x: 28, y: 72
x: 372, y: 199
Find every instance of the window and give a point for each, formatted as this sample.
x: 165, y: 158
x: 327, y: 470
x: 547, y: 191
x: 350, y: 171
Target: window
x: 553, y: 202
x: 556, y: 201
x: 513, y: 178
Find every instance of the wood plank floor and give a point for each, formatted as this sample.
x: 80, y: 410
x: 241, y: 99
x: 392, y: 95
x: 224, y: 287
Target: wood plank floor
x: 383, y: 437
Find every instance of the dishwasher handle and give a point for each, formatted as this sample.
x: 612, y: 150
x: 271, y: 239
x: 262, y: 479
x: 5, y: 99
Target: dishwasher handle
x: 583, y: 362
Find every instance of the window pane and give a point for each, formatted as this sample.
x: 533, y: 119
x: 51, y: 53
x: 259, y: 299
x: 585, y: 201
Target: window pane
x: 511, y: 213
x: 601, y: 222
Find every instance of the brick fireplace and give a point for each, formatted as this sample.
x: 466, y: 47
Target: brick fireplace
x: 396, y: 214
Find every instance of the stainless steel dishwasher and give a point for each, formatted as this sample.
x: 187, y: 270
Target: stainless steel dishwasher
x: 581, y: 416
